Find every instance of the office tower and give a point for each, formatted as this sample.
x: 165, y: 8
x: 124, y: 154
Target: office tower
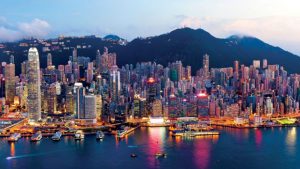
x: 10, y: 84
x: 89, y: 107
x: 51, y: 98
x: 107, y: 60
x: 202, y: 104
x: 61, y: 73
x: 269, y: 106
x: 206, y: 65
x: 74, y: 56
x: 76, y: 72
x: 256, y: 64
x: 12, y: 59
x: 34, y: 85
x: 49, y: 60
x: 151, y: 89
x: 69, y: 100
x: 172, y: 106
x: 265, y: 63
x: 98, y: 106
x: 178, y: 68
x: 236, y: 67
x: 115, y: 85
x: 98, y: 61
x: 188, y: 73
x: 90, y: 72
x: 157, y: 108
x: 136, y: 106
x: 79, y: 93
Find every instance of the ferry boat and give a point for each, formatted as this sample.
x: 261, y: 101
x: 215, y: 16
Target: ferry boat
x: 37, y: 136
x: 124, y: 132
x: 99, y: 135
x: 159, y: 155
x: 14, y: 137
x: 56, y: 136
x: 79, y: 135
x: 195, y: 133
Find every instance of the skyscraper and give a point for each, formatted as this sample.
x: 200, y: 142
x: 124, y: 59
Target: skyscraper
x: 90, y: 107
x: 74, y: 56
x: 98, y: 61
x: 10, y: 84
x: 79, y: 91
x: 34, y: 85
x: 115, y: 85
x: 51, y: 98
x: 206, y: 65
x: 90, y: 72
x: 202, y: 104
x: 49, y: 60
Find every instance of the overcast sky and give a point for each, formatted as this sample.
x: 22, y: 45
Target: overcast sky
x: 274, y: 21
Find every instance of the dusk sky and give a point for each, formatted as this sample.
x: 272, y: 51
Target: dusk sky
x: 276, y: 22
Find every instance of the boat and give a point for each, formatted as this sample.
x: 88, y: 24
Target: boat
x: 36, y: 136
x: 99, y: 135
x: 79, y: 135
x: 14, y: 137
x: 124, y: 132
x: 133, y: 155
x: 159, y: 155
x: 195, y: 133
x: 57, y: 135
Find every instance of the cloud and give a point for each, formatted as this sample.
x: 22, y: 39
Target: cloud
x: 11, y: 32
x: 36, y: 28
x: 9, y: 35
x: 192, y: 22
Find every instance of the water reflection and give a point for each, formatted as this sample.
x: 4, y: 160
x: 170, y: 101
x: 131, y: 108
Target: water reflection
x: 258, y: 137
x: 12, y: 149
x: 156, y: 141
x: 291, y: 139
x: 202, y: 153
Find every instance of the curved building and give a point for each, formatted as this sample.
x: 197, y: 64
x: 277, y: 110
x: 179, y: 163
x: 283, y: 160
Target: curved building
x: 34, y: 85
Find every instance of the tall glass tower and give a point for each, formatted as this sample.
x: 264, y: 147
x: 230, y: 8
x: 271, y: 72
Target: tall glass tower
x: 34, y: 85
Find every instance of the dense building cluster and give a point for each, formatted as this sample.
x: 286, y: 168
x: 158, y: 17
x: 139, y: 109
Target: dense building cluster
x: 88, y: 90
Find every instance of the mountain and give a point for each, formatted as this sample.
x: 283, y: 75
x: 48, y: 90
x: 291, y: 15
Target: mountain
x: 187, y: 45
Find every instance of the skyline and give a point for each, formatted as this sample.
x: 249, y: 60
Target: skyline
x: 274, y: 22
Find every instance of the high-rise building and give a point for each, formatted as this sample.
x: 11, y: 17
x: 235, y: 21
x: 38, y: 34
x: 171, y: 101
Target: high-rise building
x: 79, y: 93
x: 90, y: 107
x: 34, y: 85
x: 51, y: 98
x: 107, y: 60
x: 74, y: 56
x: 157, y: 108
x: 90, y: 72
x: 12, y: 59
x: 98, y: 106
x: 151, y: 89
x: 202, y: 104
x: 265, y: 63
x: 172, y: 106
x: 69, y: 100
x: 236, y: 67
x: 256, y: 64
x: 49, y: 60
x: 115, y: 85
x: 98, y: 61
x: 10, y: 84
x: 206, y: 65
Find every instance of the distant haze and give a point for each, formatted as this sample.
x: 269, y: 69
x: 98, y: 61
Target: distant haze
x: 276, y: 22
